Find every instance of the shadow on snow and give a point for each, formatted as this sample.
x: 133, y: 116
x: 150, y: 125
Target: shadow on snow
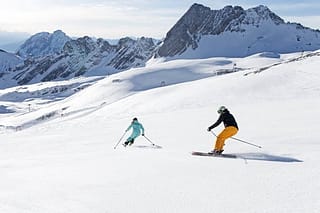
x: 267, y: 157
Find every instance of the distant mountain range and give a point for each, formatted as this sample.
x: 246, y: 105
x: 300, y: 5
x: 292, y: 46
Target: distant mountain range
x: 200, y: 33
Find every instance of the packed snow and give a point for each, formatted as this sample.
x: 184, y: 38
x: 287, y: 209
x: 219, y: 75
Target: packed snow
x: 57, y: 152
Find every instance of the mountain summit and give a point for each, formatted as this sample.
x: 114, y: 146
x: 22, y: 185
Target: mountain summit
x: 200, y: 33
x: 51, y: 57
x: 43, y: 44
x: 234, y: 32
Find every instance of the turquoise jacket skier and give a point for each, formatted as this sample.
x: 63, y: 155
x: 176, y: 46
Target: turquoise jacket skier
x: 137, y: 130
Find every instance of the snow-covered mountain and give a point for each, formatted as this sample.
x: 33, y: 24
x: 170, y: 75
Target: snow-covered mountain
x: 84, y: 56
x: 8, y: 61
x: 200, y: 33
x: 43, y: 44
x: 235, y: 32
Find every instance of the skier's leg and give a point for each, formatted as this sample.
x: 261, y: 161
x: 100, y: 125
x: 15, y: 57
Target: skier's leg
x: 133, y: 137
x: 129, y: 139
x: 225, y: 134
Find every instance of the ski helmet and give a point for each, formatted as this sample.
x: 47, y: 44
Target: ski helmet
x: 221, y: 109
x: 135, y: 119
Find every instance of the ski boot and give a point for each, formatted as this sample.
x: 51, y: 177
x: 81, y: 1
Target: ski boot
x: 131, y: 142
x: 216, y: 152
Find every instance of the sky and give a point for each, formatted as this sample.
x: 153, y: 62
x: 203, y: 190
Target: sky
x: 119, y: 18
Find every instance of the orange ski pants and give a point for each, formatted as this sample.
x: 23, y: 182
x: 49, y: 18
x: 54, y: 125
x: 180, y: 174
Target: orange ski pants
x: 225, y: 134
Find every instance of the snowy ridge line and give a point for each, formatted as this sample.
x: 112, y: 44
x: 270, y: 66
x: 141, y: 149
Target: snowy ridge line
x: 300, y: 58
x: 232, y: 31
x: 60, y: 113
x: 44, y: 118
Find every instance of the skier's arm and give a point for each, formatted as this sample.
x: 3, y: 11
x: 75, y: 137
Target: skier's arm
x: 128, y: 128
x: 216, y: 123
x: 142, y: 129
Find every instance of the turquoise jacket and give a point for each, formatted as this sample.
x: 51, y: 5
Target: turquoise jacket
x: 137, y: 129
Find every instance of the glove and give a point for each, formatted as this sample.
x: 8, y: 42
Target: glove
x: 142, y: 134
x: 209, y: 129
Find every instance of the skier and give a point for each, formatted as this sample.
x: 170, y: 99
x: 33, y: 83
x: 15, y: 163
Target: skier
x: 231, y: 128
x: 137, y: 129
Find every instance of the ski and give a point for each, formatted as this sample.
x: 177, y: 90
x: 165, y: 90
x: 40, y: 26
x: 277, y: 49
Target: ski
x: 142, y: 146
x: 214, y: 155
x: 147, y: 147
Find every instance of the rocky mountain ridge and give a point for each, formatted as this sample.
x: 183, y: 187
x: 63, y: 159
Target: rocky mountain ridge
x: 84, y: 56
x: 43, y: 44
x: 243, y: 32
x: 8, y: 61
x: 200, y: 33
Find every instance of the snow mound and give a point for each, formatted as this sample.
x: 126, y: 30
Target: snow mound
x: 269, y: 55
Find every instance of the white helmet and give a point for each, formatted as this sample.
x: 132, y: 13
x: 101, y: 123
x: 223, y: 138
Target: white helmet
x: 221, y: 109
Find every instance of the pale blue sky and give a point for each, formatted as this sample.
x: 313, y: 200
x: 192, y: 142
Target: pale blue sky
x: 119, y: 18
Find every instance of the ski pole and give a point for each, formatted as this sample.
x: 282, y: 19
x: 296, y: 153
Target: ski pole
x: 119, y: 140
x: 151, y: 142
x: 240, y: 141
x: 148, y: 140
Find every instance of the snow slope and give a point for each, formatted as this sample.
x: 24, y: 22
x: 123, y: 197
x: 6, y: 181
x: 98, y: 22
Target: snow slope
x: 68, y: 163
x: 8, y: 61
x: 253, y: 40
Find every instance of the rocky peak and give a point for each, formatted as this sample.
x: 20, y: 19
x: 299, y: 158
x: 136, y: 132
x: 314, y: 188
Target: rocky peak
x: 198, y: 20
x: 86, y: 56
x: 145, y: 44
x: 104, y: 45
x: 132, y: 53
x: 263, y: 13
x: 43, y: 44
x: 125, y: 43
x: 83, y: 45
x: 248, y: 27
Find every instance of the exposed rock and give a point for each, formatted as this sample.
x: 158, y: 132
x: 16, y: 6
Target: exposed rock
x: 243, y: 32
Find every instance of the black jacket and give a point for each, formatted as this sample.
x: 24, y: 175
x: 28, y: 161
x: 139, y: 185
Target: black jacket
x: 227, y: 118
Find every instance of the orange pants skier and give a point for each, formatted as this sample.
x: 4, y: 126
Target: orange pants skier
x: 231, y: 128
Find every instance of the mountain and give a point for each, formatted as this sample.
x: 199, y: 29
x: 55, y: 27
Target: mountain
x: 82, y: 56
x: 200, y: 33
x: 8, y: 61
x: 43, y: 44
x: 234, y: 32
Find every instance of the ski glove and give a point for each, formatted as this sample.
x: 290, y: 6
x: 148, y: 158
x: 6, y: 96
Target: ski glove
x: 209, y: 129
x: 143, y: 134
